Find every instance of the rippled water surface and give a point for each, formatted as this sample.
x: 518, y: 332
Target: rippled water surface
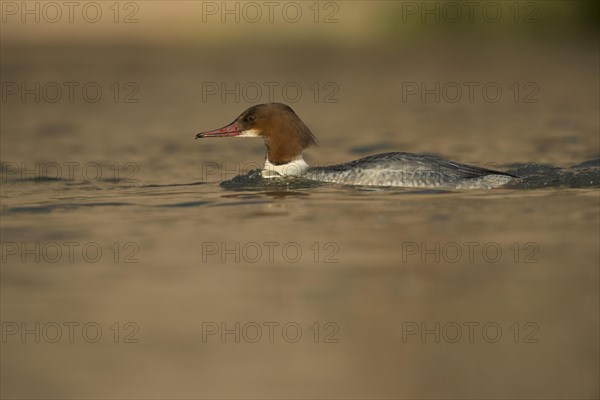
x: 387, y: 273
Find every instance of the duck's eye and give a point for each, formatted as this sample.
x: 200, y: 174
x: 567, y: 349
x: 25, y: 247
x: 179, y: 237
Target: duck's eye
x: 251, y: 118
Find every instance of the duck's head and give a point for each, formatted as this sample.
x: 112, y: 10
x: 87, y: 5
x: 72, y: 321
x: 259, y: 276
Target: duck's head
x: 284, y: 133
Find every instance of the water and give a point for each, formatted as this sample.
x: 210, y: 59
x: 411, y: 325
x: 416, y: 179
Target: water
x: 182, y: 252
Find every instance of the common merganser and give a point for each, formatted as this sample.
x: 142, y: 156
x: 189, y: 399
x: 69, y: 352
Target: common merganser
x: 286, y: 136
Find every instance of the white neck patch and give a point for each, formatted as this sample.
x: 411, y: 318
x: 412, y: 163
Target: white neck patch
x: 293, y: 168
x: 249, y: 133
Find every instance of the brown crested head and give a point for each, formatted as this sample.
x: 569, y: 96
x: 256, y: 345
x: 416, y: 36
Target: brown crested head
x: 284, y: 133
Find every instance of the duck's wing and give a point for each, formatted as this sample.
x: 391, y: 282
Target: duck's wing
x: 414, y: 163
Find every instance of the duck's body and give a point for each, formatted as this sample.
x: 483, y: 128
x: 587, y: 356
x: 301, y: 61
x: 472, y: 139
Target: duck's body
x: 286, y: 136
x: 409, y: 170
